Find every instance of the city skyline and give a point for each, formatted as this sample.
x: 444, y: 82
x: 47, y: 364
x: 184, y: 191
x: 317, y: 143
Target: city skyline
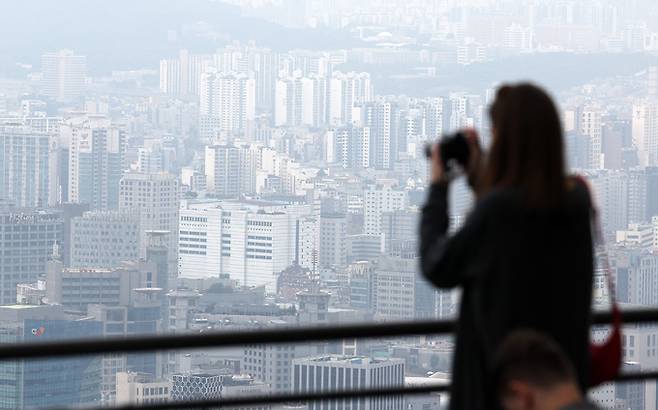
x: 216, y: 166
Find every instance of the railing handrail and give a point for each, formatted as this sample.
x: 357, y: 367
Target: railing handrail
x: 316, y: 396
x: 215, y: 339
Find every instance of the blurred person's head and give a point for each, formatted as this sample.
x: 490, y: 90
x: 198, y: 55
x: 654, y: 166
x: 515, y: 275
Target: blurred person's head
x: 532, y: 373
x: 527, y: 150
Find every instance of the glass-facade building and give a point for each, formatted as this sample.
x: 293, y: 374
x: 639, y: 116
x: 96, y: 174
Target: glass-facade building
x: 27, y: 237
x: 51, y: 382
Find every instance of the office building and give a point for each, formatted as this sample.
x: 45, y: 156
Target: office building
x: 223, y: 171
x: 95, y: 160
x: 252, y: 241
x: 65, y: 382
x: 624, y: 197
x: 399, y: 227
x: 76, y: 288
x: 244, y: 386
x: 363, y: 247
x: 24, y: 258
x: 360, y: 282
x: 104, y: 239
x: 142, y: 316
x: 330, y: 373
x: 68, y: 211
x: 28, y: 166
x: 140, y: 389
x: 333, y: 231
x: 271, y: 364
x: 393, y: 288
x: 156, y: 198
x: 183, y: 304
x: 63, y: 75
x: 635, y: 270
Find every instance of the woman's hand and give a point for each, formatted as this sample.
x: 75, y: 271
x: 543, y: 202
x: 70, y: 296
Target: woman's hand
x: 473, y: 169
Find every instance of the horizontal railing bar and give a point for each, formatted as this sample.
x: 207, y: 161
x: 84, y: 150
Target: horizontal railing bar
x: 629, y: 316
x: 218, y: 339
x: 160, y: 342
x: 284, y: 398
x: 306, y: 397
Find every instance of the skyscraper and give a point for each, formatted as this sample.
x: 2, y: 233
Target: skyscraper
x: 28, y: 166
x: 300, y: 101
x: 223, y: 171
x: 333, y: 231
x: 96, y: 160
x: 382, y: 117
x: 645, y: 132
x: 24, y: 257
x: 63, y: 75
x: 590, y: 125
x: 155, y: 197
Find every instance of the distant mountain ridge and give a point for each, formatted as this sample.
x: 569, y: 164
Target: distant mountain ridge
x: 129, y: 34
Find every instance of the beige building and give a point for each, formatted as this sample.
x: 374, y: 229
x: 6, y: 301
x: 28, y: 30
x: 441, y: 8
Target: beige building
x: 156, y: 197
x: 139, y: 389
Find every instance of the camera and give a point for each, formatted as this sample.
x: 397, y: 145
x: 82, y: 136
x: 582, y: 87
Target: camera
x: 452, y: 148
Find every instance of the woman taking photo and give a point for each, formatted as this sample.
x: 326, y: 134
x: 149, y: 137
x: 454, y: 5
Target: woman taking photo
x: 523, y: 258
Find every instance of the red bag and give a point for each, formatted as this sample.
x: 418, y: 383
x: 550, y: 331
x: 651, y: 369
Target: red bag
x: 606, y: 357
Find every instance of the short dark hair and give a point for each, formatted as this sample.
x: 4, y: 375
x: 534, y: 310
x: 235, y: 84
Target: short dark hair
x: 532, y: 357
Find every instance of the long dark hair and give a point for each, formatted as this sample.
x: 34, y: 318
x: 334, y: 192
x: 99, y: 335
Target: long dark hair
x: 527, y: 151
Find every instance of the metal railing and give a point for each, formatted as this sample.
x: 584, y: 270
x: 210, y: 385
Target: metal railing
x: 60, y: 349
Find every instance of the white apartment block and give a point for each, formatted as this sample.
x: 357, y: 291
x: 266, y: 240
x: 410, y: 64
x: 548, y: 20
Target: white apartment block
x: 590, y: 125
x: 645, y: 132
x: 377, y: 200
x: 181, y: 76
x: 227, y: 103
x: 346, y: 89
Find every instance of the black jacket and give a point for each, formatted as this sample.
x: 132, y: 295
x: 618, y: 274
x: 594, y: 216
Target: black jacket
x: 517, y: 268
